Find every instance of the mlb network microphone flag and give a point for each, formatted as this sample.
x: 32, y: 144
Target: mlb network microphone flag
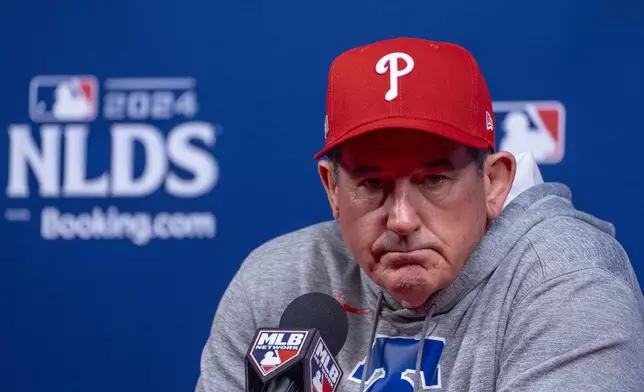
x: 299, y: 355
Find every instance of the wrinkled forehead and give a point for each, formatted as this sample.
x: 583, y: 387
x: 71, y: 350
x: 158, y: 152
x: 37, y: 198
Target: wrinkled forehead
x: 400, y: 147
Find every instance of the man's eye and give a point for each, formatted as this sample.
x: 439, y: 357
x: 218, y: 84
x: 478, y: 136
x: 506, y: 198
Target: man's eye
x: 373, y: 183
x: 434, y: 179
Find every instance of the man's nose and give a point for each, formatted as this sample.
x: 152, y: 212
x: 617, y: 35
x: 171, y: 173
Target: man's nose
x: 403, y: 218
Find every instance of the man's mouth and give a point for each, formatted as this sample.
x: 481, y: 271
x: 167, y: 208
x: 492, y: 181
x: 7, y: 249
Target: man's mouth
x: 402, y: 259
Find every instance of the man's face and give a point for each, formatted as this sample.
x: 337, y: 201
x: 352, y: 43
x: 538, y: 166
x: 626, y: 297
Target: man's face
x: 411, y: 207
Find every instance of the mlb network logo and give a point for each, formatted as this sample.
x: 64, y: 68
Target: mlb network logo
x: 273, y: 349
x: 325, y: 371
x: 537, y: 127
x: 63, y: 98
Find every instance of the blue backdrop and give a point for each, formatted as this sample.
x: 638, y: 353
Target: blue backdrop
x: 209, y: 113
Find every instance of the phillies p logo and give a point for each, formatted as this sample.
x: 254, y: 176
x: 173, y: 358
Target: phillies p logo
x: 389, y: 63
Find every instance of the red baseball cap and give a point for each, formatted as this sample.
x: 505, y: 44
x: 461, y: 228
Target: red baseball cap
x: 408, y: 83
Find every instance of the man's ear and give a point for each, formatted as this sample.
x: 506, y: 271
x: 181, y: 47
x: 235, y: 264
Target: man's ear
x: 325, y: 168
x: 499, y: 171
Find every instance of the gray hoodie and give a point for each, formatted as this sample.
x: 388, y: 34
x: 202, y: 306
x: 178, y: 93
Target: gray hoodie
x: 547, y: 302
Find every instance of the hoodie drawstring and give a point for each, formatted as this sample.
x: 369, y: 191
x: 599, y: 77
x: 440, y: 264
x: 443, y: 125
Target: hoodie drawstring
x: 372, y: 339
x: 421, y: 344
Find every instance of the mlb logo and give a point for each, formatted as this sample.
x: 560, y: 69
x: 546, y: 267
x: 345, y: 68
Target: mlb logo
x: 537, y: 127
x: 273, y: 349
x: 63, y: 98
x: 319, y: 382
x: 325, y: 371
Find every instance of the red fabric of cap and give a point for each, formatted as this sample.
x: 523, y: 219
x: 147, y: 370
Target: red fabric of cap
x: 408, y: 83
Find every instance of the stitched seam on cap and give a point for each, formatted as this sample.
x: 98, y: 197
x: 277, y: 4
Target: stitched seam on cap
x: 331, y: 102
x: 474, y: 85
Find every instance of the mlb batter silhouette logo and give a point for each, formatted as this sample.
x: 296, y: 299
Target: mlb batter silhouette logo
x: 320, y: 384
x: 393, y: 365
x: 61, y: 98
x: 271, y: 358
x: 72, y: 101
x: 534, y: 127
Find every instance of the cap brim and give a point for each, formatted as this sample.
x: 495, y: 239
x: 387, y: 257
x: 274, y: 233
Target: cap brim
x: 433, y: 127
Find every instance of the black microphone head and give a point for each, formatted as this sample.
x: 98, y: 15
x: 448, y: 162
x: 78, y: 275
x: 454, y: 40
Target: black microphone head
x: 321, y: 311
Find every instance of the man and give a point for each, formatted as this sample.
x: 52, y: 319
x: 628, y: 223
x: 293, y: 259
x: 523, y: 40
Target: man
x: 464, y: 290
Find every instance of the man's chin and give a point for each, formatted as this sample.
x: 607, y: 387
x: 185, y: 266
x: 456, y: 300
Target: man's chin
x: 409, y: 286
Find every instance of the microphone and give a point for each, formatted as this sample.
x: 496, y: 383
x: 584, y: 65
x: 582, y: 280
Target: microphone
x: 299, y: 356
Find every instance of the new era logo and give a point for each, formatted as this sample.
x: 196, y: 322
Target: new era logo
x: 326, y: 126
x: 489, y: 123
x: 63, y: 98
x: 537, y: 127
